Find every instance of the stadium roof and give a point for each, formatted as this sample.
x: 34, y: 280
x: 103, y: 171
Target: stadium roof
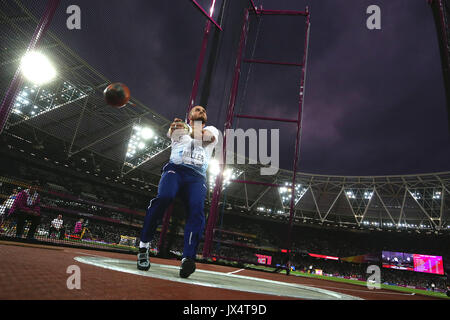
x: 72, y: 109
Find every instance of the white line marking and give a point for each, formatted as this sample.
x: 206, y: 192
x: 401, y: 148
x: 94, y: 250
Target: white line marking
x: 236, y: 271
x: 92, y: 255
x: 104, y: 263
x: 365, y: 291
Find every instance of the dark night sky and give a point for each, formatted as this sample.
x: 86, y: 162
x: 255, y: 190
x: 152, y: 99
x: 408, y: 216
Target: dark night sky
x: 374, y: 103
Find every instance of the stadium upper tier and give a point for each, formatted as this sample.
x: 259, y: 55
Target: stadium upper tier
x: 420, y: 201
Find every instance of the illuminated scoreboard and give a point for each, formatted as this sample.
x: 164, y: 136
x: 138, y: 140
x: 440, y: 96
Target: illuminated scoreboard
x: 263, y: 259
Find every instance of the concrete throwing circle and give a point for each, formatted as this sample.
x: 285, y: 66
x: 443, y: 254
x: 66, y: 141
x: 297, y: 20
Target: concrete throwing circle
x: 219, y: 280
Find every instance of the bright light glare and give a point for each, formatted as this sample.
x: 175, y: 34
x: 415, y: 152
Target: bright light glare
x: 211, y: 10
x: 227, y: 173
x: 147, y: 133
x: 37, y: 68
x: 214, y: 167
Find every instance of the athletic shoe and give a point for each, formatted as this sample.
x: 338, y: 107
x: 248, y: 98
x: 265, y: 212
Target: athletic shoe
x: 187, y: 267
x: 143, y: 262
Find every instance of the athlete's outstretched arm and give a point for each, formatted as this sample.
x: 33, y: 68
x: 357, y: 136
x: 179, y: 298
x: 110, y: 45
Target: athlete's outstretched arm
x: 208, y: 137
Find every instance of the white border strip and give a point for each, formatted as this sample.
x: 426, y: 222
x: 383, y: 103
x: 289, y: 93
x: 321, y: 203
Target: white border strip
x: 105, y: 263
x: 235, y: 271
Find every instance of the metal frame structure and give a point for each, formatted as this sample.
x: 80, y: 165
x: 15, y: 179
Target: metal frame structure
x: 201, y: 58
x: 401, y: 202
x: 231, y: 115
x: 208, y: 16
x: 83, y: 122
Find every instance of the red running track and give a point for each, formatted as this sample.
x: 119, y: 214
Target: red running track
x: 37, y: 272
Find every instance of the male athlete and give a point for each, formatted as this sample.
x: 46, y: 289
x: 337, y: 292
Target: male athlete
x: 184, y: 174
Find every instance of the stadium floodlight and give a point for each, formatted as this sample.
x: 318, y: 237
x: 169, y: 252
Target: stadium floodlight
x: 214, y: 167
x: 416, y: 195
x: 437, y: 195
x: 350, y: 194
x: 285, y: 193
x: 264, y: 209
x: 34, y: 100
x: 365, y: 194
x: 368, y: 195
x: 147, y: 133
x: 37, y: 68
x: 359, y: 199
x: 141, y: 146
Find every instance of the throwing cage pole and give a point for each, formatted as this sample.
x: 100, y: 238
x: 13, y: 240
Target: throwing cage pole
x: 194, y: 93
x: 441, y: 15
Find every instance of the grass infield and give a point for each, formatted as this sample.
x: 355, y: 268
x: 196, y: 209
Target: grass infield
x: 359, y: 283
